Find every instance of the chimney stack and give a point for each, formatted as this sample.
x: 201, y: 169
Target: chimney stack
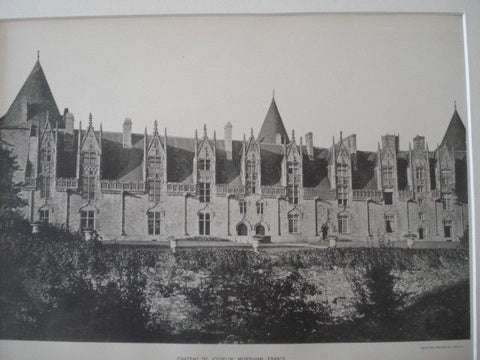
x: 228, y: 140
x: 127, y: 133
x: 69, y: 121
x: 309, y: 144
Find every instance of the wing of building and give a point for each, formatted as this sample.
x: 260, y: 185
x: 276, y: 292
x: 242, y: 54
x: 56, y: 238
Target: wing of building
x: 152, y: 185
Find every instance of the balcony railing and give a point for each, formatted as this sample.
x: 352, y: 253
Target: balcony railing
x: 226, y: 189
x: 64, y: 184
x: 375, y: 195
x: 179, y: 189
x: 115, y: 186
x: 273, y: 191
x: 30, y: 184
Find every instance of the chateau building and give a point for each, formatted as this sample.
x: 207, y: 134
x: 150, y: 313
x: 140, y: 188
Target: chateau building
x: 150, y: 186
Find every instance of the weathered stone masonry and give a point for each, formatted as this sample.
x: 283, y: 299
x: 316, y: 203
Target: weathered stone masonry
x: 150, y: 186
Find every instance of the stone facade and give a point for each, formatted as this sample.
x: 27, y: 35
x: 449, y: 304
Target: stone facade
x: 150, y: 186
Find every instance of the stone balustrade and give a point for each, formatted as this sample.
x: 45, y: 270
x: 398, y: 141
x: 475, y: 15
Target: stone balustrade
x: 115, y: 186
x: 64, y: 184
x: 360, y: 195
x: 179, y: 189
x: 273, y: 191
x: 226, y: 189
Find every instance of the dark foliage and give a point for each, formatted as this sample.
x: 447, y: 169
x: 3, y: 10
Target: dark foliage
x: 254, y: 306
x: 10, y: 200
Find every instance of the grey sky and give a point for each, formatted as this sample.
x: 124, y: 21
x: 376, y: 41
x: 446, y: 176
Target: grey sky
x: 363, y: 74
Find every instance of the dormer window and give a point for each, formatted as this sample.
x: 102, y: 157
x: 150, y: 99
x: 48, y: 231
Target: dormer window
x: 419, y: 173
x: 204, y: 164
x: 387, y: 172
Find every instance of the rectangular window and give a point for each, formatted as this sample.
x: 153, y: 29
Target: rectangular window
x: 87, y: 219
x: 293, y: 193
x: 447, y: 228
x: 421, y: 233
x: 421, y: 216
x: 154, y: 222
x: 44, y: 215
x: 389, y: 222
x: 204, y: 164
x: 388, y: 198
x: 155, y: 165
x: 445, y: 177
x: 243, y: 206
x: 45, y: 187
x: 154, y: 190
x: 420, y: 188
x: 204, y: 192
x: 342, y: 224
x: 419, y: 173
x: 260, y: 208
x: 251, y: 174
x: 88, y: 187
x: 387, y: 172
x: 447, y: 203
x: 204, y: 224
x: 293, y: 223
x: 420, y: 202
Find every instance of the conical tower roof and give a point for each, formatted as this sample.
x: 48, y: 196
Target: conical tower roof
x: 272, y: 126
x: 34, y: 98
x: 455, y: 136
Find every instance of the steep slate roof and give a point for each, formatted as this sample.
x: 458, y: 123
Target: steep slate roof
x: 272, y: 125
x: 455, y: 136
x: 36, y: 94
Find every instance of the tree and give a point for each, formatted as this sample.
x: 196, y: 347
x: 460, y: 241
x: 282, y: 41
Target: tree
x: 10, y: 201
x: 378, y: 299
x: 256, y: 306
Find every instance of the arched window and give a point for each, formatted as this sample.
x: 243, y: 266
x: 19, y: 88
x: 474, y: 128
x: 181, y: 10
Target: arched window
x: 260, y: 230
x: 242, y: 229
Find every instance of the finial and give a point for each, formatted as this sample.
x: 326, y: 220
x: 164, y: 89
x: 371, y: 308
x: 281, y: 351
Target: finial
x: 293, y: 135
x: 204, y: 129
x: 341, y: 135
x: 455, y: 104
x: 165, y: 131
x: 90, y: 119
x: 145, y: 131
x: 101, y: 128
x: 38, y: 55
x: 155, y: 126
x: 196, y: 133
x: 273, y: 94
x: 251, y: 132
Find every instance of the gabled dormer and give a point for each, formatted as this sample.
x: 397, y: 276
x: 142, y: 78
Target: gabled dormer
x: 340, y: 167
x: 418, y: 171
x: 48, y: 150
x: 156, y: 156
x: 204, y: 161
x: 293, y: 170
x: 445, y: 169
x: 251, y: 165
x: 386, y: 168
x: 89, y: 160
